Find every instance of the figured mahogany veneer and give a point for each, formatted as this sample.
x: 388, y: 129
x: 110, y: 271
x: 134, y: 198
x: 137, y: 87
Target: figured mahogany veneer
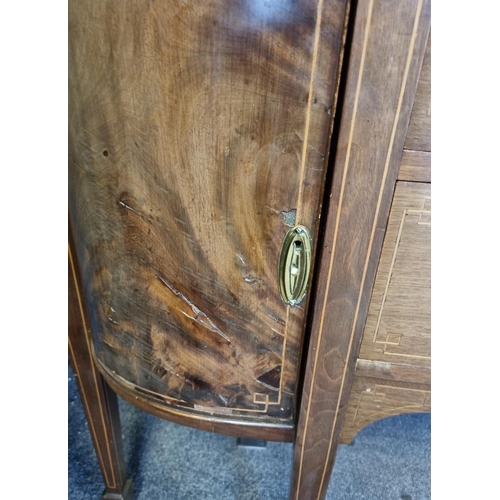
x: 198, y: 135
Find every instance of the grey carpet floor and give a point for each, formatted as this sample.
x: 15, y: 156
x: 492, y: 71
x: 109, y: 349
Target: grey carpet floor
x: 388, y: 460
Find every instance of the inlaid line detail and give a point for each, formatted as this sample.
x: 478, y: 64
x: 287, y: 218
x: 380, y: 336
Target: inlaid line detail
x: 379, y: 201
x: 94, y: 376
x: 334, y: 243
x: 308, y: 113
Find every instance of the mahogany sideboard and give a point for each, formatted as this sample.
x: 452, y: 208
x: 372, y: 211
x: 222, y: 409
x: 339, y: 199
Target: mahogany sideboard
x: 249, y: 219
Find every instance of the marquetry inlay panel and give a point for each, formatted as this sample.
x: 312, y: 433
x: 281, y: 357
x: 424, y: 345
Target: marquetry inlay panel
x: 398, y: 326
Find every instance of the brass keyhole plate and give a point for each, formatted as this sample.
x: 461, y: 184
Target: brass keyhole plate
x: 295, y: 265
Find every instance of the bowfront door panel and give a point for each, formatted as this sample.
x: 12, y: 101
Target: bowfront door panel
x: 199, y: 135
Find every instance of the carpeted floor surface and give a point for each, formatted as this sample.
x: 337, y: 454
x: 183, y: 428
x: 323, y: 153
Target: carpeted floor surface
x: 388, y: 460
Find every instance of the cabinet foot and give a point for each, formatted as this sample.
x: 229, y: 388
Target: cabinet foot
x: 127, y: 492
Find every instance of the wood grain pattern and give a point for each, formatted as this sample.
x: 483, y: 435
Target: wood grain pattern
x: 374, y: 399
x: 415, y: 166
x: 384, y: 370
x: 419, y: 130
x: 386, y: 56
x: 99, y: 402
x: 197, y: 130
x: 398, y: 326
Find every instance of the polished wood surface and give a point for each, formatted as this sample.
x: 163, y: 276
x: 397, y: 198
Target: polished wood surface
x: 198, y: 135
x: 99, y: 402
x: 398, y: 325
x: 386, y: 56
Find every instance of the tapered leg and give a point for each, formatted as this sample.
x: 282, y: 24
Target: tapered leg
x: 99, y: 401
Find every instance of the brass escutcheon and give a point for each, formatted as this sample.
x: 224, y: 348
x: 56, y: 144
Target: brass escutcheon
x: 295, y: 265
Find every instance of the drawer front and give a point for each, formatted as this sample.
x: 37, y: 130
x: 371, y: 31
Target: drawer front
x: 398, y: 326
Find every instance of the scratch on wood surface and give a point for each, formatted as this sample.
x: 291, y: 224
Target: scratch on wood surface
x: 200, y: 317
x: 266, y: 385
x: 223, y: 399
x: 80, y: 166
x: 278, y: 320
x: 128, y: 207
x: 316, y: 151
x: 171, y: 370
x: 273, y: 209
x: 87, y: 146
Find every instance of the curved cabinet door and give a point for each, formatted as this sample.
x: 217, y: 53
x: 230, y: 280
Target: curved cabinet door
x: 199, y: 133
